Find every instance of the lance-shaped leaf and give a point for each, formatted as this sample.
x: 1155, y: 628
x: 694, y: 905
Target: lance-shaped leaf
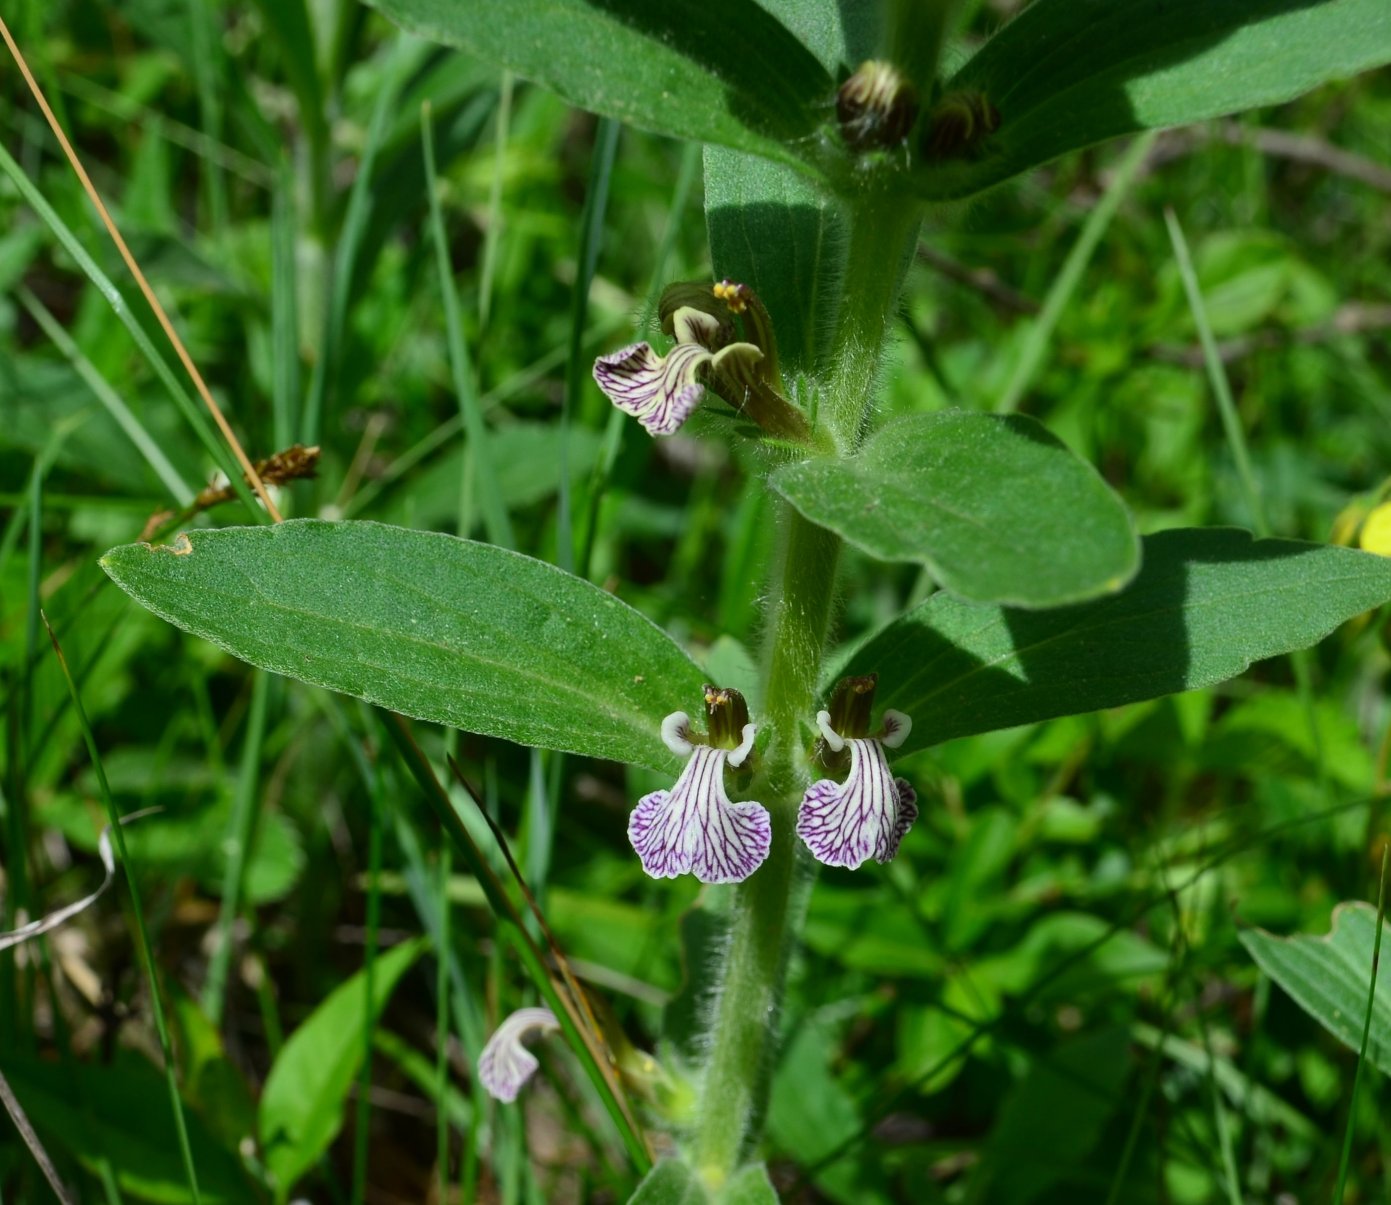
x: 429, y: 625
x: 1204, y: 606
x: 1329, y: 977
x: 722, y: 71
x: 997, y: 508
x: 1069, y: 73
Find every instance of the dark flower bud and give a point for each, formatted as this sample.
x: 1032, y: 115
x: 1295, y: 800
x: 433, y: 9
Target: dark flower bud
x: 958, y: 123
x: 876, y: 107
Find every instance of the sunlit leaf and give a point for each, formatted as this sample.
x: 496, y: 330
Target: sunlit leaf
x: 721, y: 71
x: 1069, y: 73
x: 1204, y: 606
x: 434, y: 627
x: 996, y: 508
x: 1329, y: 976
x: 302, y: 1105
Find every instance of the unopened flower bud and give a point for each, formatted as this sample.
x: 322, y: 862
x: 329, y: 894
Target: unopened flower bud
x: 958, y: 123
x: 876, y: 107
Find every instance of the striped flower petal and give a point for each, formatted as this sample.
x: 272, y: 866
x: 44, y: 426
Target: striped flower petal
x: 694, y: 828
x: 662, y: 391
x: 867, y: 815
x: 505, y: 1064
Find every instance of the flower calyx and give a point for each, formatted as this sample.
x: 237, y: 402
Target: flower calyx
x: 867, y: 815
x: 661, y: 392
x: 695, y: 828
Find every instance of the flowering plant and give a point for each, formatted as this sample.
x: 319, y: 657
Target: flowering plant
x: 1041, y: 598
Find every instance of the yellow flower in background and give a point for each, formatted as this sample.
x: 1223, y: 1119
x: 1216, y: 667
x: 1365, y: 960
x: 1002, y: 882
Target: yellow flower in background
x: 1375, y: 535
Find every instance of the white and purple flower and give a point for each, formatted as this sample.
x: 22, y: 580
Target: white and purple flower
x: 694, y: 828
x: 662, y: 391
x: 867, y: 815
x: 505, y: 1064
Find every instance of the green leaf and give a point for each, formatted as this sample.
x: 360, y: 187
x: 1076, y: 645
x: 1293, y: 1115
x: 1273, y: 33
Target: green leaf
x: 118, y: 1114
x: 302, y: 1105
x: 997, y: 508
x: 671, y: 1182
x: 750, y: 1186
x: 721, y: 71
x: 429, y: 625
x: 776, y: 232
x: 1328, y: 977
x: 1205, y: 605
x: 1053, y: 1117
x: 770, y: 226
x: 1066, y: 74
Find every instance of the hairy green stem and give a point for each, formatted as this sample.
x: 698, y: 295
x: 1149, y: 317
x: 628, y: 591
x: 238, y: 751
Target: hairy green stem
x: 765, y: 917
x: 743, y: 1029
x: 883, y: 233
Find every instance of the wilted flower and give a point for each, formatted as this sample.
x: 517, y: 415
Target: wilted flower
x: 694, y: 828
x: 505, y: 1064
x: 867, y: 815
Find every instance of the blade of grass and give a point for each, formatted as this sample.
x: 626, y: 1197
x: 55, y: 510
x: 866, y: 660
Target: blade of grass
x: 362, y: 1130
x: 617, y: 421
x: 565, y: 1009
x: 1217, y: 375
x: 1173, y: 972
x: 1345, y: 1161
x: 538, y: 809
x: 1236, y: 442
x: 31, y: 1140
x: 596, y: 203
x: 401, y: 56
x: 557, y: 954
x: 142, y: 936
x: 18, y: 987
x: 135, y: 430
x: 495, y: 520
x: 118, y: 304
x: 1231, y: 1182
x: 539, y: 368
x: 1040, y: 332
x: 492, y: 234
x: 425, y: 890
x: 168, y: 327
x: 241, y: 835
x: 284, y: 311
x: 886, y: 1102
x: 442, y: 1030
x: 206, y: 79
x: 125, y: 110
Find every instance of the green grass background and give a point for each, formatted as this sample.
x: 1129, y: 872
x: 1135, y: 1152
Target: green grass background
x: 274, y: 190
